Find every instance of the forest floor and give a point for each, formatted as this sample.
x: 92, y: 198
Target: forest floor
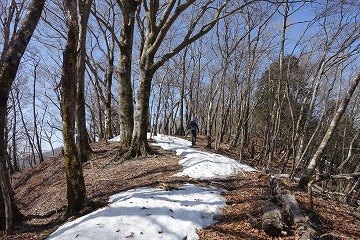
x: 41, y: 195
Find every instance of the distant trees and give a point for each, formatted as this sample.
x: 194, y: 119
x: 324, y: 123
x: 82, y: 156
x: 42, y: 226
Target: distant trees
x: 14, y: 46
x: 101, y: 68
x: 292, y: 90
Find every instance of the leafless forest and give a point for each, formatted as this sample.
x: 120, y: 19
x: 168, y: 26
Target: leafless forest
x: 275, y: 81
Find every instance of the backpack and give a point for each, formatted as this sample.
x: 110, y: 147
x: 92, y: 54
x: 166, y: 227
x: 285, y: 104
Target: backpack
x: 192, y: 125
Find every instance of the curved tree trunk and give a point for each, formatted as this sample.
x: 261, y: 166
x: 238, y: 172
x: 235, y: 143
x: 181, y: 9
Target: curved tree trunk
x: 305, y: 178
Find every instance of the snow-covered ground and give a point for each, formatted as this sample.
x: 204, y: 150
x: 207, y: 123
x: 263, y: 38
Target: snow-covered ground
x: 150, y: 213
x: 198, y: 164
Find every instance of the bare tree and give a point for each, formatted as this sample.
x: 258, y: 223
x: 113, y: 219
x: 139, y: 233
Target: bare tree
x: 81, y: 132
x: 35, y: 116
x: 153, y: 30
x: 29, y: 136
x: 106, y: 23
x: 180, y: 130
x: 331, y: 52
x: 13, y: 50
x: 275, y: 113
x: 76, y: 192
x: 305, y: 178
x: 252, y: 44
x: 14, y: 131
x: 126, y: 105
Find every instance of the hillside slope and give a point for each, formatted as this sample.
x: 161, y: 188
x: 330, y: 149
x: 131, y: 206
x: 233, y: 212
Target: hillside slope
x: 41, y: 192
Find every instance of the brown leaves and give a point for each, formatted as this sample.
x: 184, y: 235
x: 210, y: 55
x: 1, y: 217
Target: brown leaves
x: 41, y: 195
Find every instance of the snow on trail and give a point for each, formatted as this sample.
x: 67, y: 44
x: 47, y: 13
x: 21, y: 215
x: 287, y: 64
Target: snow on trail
x: 149, y: 213
x: 200, y: 165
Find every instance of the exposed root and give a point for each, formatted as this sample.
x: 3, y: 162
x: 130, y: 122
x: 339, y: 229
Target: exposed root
x: 138, y: 150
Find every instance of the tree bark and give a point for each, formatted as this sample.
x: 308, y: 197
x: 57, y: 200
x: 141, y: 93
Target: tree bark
x: 181, y: 130
x: 139, y: 144
x: 126, y: 100
x: 82, y: 139
x: 76, y: 193
x: 107, y: 103
x: 6, y: 211
x: 272, y: 220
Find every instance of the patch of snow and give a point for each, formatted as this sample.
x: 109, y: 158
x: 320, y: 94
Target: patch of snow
x: 198, y: 164
x: 150, y: 213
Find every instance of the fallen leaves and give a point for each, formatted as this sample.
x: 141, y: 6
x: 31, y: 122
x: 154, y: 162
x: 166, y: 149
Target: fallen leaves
x: 41, y: 196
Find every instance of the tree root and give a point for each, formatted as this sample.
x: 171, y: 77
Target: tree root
x: 137, y: 150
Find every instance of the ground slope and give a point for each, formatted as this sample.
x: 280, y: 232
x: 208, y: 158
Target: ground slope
x: 40, y: 194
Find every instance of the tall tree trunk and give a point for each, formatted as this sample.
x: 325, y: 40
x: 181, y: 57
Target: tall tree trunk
x: 107, y: 103
x: 139, y: 144
x: 9, y: 63
x: 6, y: 197
x: 14, y: 129
x: 126, y: 103
x: 99, y: 125
x: 6, y: 210
x: 305, y: 178
x: 36, y: 132
x: 181, y: 131
x: 210, y: 114
x: 99, y: 98
x: 76, y: 193
x: 82, y: 138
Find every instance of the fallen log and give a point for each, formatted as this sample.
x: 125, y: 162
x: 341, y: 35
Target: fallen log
x: 291, y: 211
x: 289, y: 204
x: 272, y: 220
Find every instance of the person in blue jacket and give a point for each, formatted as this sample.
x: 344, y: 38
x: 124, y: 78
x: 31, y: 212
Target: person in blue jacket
x: 194, y: 129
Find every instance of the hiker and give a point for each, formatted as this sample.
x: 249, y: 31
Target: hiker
x: 194, y: 128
